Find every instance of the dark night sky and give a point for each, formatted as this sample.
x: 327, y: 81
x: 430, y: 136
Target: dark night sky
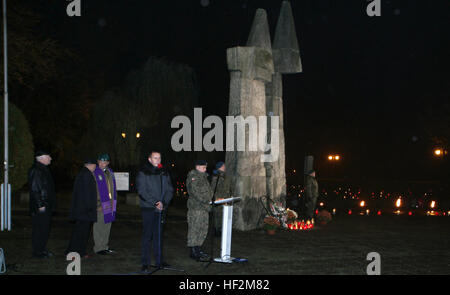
x: 365, y: 80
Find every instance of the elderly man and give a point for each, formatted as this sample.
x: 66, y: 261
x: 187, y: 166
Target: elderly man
x: 83, y: 209
x: 42, y: 203
x: 200, y: 196
x: 106, y: 205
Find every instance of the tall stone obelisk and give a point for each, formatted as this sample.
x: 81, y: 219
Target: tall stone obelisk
x: 286, y: 56
x: 251, y: 68
x: 256, y: 90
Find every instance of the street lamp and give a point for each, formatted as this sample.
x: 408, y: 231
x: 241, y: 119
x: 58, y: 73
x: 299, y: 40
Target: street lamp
x: 438, y: 152
x: 334, y: 157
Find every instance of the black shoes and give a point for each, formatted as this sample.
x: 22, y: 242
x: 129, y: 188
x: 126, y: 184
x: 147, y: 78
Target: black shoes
x: 163, y: 265
x: 198, y: 255
x: 106, y: 252
x: 41, y: 255
x: 145, y: 270
x: 44, y: 254
x: 48, y: 253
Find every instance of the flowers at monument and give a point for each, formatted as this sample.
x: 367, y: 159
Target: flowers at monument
x: 271, y: 223
x: 323, y: 217
x: 291, y: 215
x: 288, y: 218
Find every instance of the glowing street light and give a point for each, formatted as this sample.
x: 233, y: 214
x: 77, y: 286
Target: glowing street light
x: 334, y: 157
x: 438, y: 152
x: 124, y: 135
x: 398, y: 203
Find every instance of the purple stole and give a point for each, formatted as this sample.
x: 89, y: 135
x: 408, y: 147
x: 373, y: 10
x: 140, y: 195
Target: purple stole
x: 102, y: 185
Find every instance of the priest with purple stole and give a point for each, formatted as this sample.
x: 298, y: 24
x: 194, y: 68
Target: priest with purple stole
x: 106, y: 205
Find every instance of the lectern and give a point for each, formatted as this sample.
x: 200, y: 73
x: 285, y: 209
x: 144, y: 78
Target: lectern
x: 227, y: 224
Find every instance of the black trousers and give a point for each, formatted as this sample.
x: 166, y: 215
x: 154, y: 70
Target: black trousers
x: 40, y: 231
x: 151, y: 219
x: 80, y: 236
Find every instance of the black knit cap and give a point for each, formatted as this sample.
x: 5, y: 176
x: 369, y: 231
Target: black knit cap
x: 201, y: 163
x: 39, y: 153
x: 90, y: 161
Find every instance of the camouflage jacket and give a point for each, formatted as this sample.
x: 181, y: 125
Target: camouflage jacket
x: 311, y: 188
x: 199, y: 190
x: 223, y: 186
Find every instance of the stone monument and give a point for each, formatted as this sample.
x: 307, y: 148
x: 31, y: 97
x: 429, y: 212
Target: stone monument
x: 256, y: 90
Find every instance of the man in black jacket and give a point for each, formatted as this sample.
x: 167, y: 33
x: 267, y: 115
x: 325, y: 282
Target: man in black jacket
x: 42, y: 203
x: 155, y: 191
x: 83, y: 208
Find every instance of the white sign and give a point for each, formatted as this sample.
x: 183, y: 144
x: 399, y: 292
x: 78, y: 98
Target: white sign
x: 122, y: 181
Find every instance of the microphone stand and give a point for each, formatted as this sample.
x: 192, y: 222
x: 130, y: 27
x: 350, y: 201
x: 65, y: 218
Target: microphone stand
x: 213, y: 223
x: 159, y: 264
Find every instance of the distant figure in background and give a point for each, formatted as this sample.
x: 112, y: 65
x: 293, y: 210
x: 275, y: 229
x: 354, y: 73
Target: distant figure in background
x: 311, y: 194
x: 200, y: 195
x: 155, y: 191
x: 42, y: 203
x: 221, y: 186
x: 106, y: 205
x: 83, y: 208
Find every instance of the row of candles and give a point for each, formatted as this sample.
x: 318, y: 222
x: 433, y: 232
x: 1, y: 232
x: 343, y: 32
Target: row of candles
x: 301, y: 225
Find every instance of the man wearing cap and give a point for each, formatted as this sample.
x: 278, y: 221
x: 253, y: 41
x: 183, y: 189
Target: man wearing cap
x: 221, y: 186
x: 42, y: 203
x: 200, y: 196
x: 155, y: 192
x: 311, y: 194
x: 83, y: 209
x: 106, y: 205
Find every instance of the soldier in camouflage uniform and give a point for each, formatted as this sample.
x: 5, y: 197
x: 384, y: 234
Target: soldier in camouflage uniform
x: 200, y: 195
x: 311, y: 194
x: 221, y: 185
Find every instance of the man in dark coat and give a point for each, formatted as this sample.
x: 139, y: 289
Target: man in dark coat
x: 83, y: 208
x: 155, y: 192
x: 42, y: 203
x: 311, y: 194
